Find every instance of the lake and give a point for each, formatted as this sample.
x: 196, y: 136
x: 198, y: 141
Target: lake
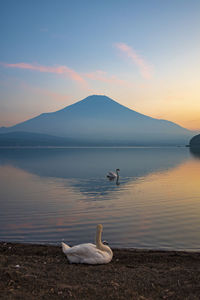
x: 60, y: 194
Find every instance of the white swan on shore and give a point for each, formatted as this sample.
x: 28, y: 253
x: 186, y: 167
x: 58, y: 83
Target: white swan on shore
x: 89, y: 253
x: 113, y: 175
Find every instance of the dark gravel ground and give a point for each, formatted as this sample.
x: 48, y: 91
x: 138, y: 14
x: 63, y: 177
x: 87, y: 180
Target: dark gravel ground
x: 43, y: 272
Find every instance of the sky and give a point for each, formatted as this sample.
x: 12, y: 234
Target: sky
x: 144, y: 54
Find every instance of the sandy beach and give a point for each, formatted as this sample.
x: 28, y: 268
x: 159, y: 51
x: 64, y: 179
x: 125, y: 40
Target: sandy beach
x: 42, y: 272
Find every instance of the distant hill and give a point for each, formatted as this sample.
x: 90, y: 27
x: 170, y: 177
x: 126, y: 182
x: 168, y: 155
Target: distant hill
x: 195, y: 141
x: 195, y: 145
x: 99, y: 120
x: 21, y: 139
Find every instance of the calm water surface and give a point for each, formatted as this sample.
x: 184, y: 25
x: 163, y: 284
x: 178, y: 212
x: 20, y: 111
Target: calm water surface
x: 50, y: 195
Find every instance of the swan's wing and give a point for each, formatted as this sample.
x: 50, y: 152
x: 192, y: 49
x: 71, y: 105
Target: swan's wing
x: 81, y: 250
x: 112, y: 174
x: 86, y: 253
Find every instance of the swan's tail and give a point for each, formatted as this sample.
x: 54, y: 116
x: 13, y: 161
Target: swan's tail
x: 65, y: 247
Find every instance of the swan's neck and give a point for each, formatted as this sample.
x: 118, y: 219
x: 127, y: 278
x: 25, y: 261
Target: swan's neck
x: 99, y: 243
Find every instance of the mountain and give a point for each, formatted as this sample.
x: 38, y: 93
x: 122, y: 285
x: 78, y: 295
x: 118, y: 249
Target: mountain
x: 99, y: 120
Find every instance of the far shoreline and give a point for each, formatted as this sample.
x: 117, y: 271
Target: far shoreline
x: 91, y: 147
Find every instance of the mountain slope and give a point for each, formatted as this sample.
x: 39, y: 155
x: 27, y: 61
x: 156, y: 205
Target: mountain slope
x: 99, y: 119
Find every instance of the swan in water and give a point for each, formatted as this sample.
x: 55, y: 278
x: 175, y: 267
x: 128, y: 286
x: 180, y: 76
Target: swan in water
x: 89, y: 253
x: 113, y: 175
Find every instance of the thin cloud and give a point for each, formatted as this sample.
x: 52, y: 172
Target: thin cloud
x: 100, y: 75
x: 144, y: 67
x: 63, y: 70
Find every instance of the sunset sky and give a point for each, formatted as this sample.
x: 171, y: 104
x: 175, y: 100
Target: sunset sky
x: 145, y: 54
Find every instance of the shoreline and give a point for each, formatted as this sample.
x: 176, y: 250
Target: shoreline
x: 33, y: 271
x: 92, y: 147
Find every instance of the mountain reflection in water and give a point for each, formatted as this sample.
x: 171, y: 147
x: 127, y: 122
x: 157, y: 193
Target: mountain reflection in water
x: 90, y: 165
